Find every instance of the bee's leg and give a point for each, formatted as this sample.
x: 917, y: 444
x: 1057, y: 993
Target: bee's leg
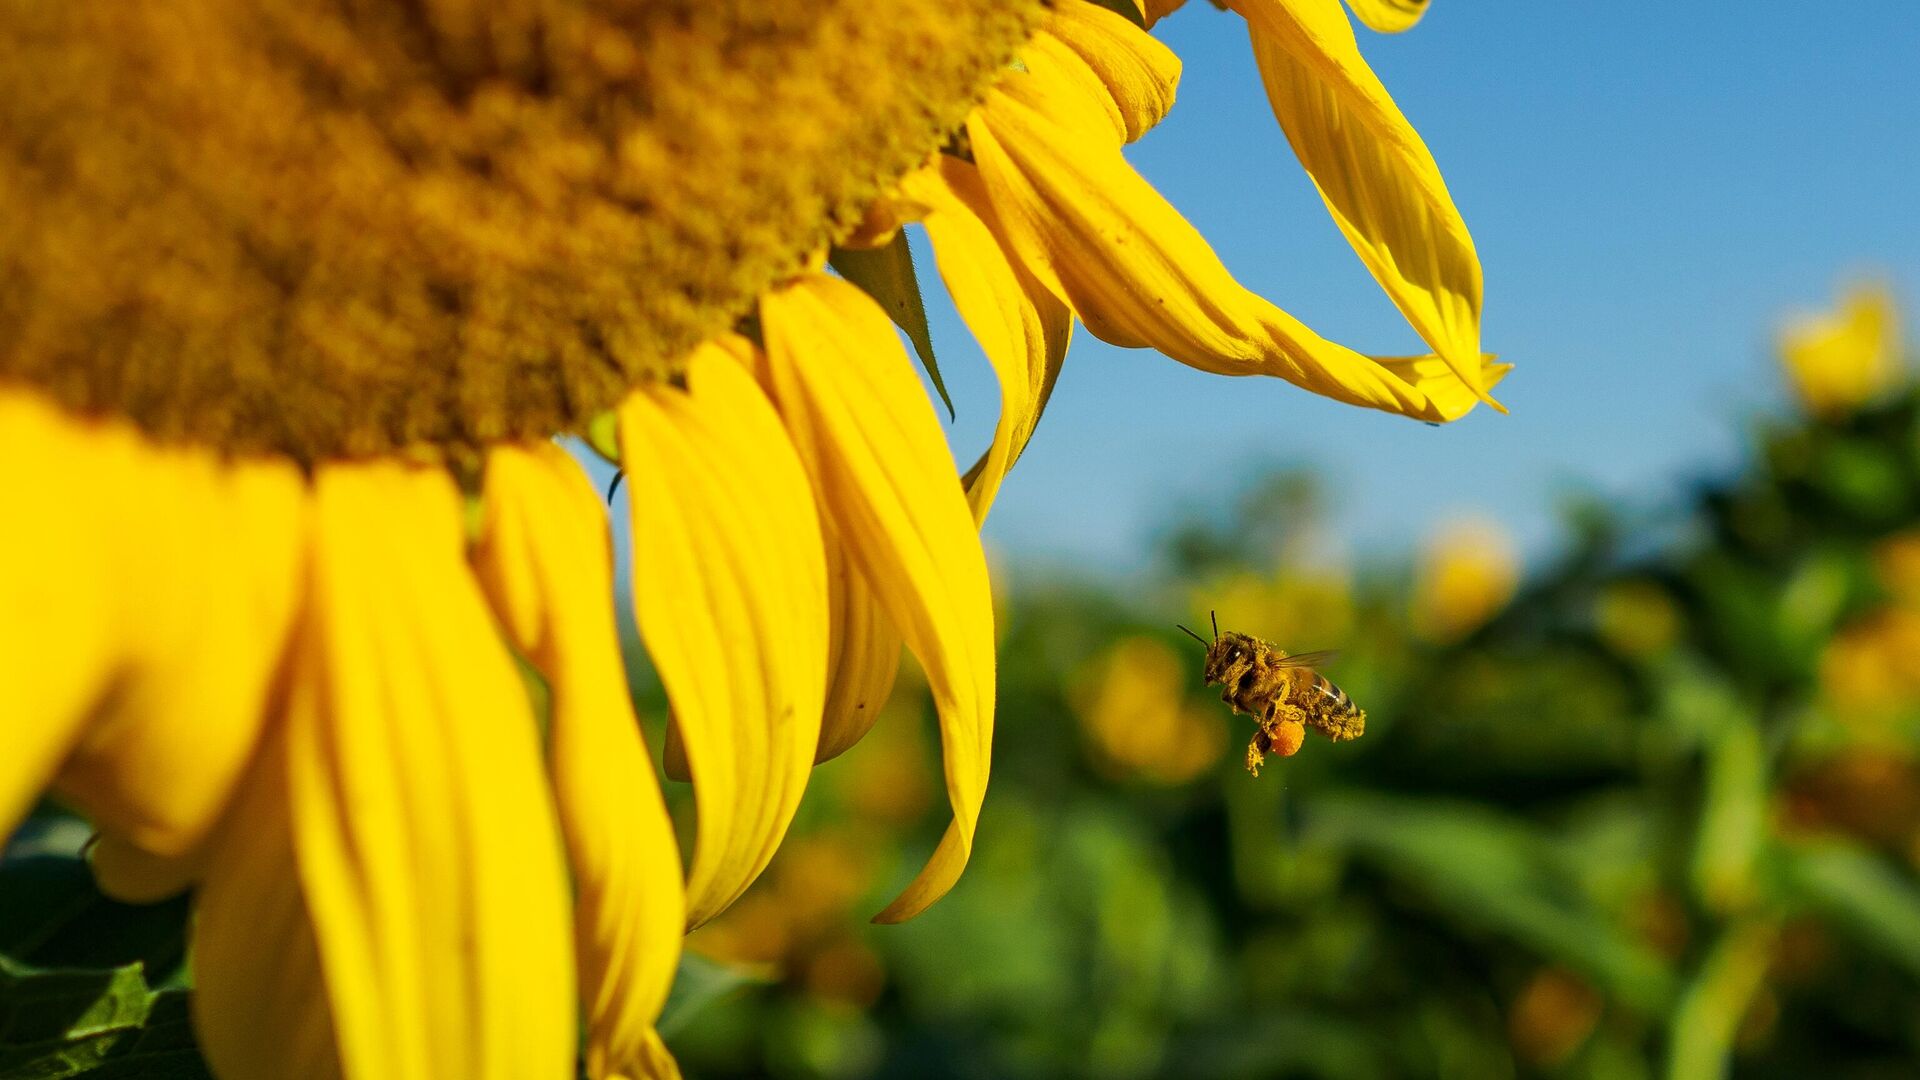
x: 1256, y: 755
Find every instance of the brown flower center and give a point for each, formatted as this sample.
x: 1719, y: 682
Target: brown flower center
x: 339, y: 228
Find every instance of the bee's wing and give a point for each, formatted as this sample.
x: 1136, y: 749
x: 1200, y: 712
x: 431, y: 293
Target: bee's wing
x: 1308, y: 659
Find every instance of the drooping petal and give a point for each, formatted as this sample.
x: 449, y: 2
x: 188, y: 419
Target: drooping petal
x: 147, y: 596
x: 545, y: 563
x: 1152, y: 11
x: 1389, y: 16
x: 1023, y: 328
x: 131, y: 874
x: 209, y: 594
x: 731, y: 592
x: 1378, y: 180
x: 260, y: 1002
x: 1138, y: 73
x: 1086, y: 225
x: 1448, y: 394
x: 863, y: 657
x: 58, y: 648
x: 863, y: 648
x: 873, y: 445
x: 401, y: 789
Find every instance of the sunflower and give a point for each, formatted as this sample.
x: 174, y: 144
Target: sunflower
x: 294, y: 300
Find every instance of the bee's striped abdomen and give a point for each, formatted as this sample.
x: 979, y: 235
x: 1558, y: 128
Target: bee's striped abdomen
x: 1333, y: 713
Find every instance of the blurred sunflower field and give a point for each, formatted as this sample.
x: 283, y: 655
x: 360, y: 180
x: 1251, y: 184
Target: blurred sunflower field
x: 1651, y: 809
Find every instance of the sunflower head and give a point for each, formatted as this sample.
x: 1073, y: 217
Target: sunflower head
x: 340, y: 229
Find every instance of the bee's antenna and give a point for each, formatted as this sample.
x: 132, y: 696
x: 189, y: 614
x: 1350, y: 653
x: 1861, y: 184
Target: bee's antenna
x: 1191, y: 634
x: 1215, y: 616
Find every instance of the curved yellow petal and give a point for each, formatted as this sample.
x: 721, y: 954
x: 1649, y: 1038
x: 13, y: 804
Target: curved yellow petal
x: 873, y: 445
x: 1138, y: 73
x: 260, y: 1003
x: 210, y: 590
x: 146, y: 599
x: 863, y: 656
x: 730, y: 589
x: 545, y: 562
x: 1152, y: 11
x: 134, y: 875
x: 402, y: 790
x: 58, y: 633
x: 1378, y: 180
x: 1023, y: 328
x: 1437, y: 380
x: 1389, y: 16
x: 1086, y: 225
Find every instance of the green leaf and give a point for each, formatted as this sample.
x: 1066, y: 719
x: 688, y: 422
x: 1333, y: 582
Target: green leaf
x: 1733, y: 816
x: 699, y: 983
x: 1497, y: 874
x: 102, y: 1025
x: 1859, y: 891
x: 886, y: 274
x: 1710, y: 1010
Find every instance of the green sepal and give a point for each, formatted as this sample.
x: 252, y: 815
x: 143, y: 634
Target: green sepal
x: 886, y: 274
x: 603, y: 435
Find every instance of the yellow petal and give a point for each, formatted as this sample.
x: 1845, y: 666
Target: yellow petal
x: 1023, y: 328
x: 1436, y: 379
x: 863, y: 648
x: 58, y: 647
x: 863, y: 657
x: 148, y: 600
x: 1389, y: 16
x: 260, y: 1003
x: 730, y: 588
x: 873, y: 445
x: 1088, y: 227
x: 1379, y: 181
x: 1138, y: 73
x: 1152, y: 11
x: 134, y: 875
x: 210, y: 592
x: 544, y: 560
x: 402, y: 790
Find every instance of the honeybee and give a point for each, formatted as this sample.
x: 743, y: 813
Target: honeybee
x: 1284, y: 694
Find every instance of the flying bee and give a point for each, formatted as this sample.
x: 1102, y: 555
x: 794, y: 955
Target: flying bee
x: 1284, y: 694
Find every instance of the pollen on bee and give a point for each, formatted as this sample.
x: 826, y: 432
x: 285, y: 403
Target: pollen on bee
x: 1282, y: 736
x: 1286, y: 737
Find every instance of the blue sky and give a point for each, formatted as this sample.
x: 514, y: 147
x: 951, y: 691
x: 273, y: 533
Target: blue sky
x: 1652, y: 188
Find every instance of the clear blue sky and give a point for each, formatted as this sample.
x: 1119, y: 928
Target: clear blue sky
x: 1652, y: 187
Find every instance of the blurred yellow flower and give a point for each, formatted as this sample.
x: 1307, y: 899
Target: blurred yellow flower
x: 298, y: 297
x: 1841, y: 360
x: 1872, y: 667
x: 1137, y: 717
x: 1466, y: 572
